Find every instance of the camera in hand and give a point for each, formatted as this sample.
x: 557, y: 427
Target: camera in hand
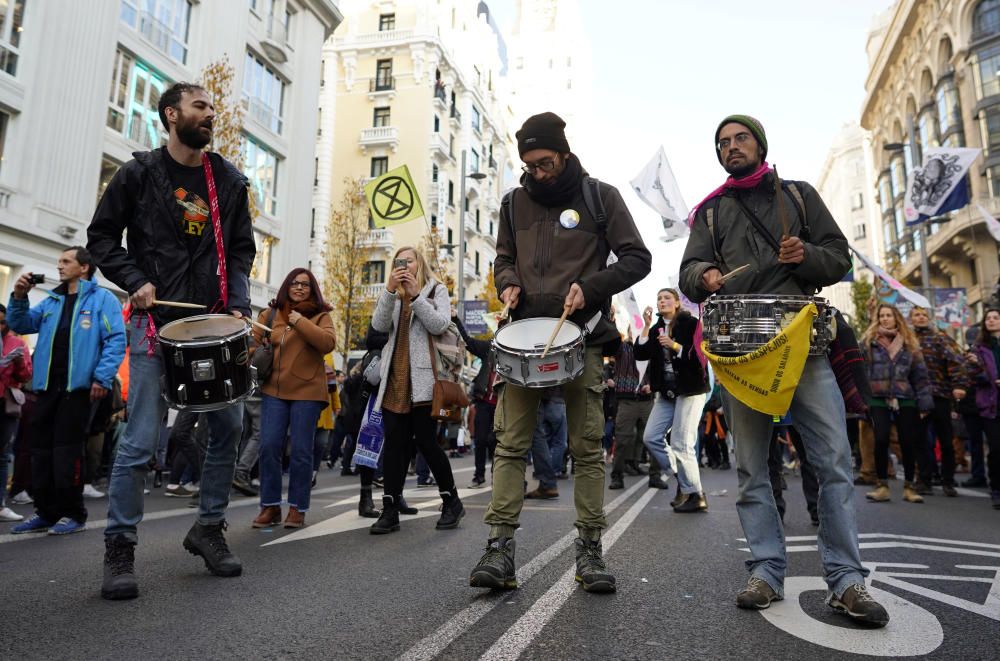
x: 37, y: 278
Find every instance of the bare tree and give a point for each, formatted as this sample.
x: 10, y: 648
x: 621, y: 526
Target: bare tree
x: 348, y: 249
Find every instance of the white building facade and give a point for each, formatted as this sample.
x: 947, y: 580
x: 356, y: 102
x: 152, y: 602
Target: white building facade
x: 107, y: 62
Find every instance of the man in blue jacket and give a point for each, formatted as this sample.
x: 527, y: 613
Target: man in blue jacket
x: 81, y: 343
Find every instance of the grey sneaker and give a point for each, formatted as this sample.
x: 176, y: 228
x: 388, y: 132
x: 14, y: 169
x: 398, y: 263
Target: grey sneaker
x: 119, y: 569
x: 495, y: 570
x: 757, y: 594
x: 857, y: 603
x: 591, y: 571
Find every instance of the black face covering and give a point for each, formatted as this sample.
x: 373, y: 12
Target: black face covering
x: 565, y: 188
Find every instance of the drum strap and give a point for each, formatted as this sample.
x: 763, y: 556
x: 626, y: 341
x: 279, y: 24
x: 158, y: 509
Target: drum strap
x: 220, y: 249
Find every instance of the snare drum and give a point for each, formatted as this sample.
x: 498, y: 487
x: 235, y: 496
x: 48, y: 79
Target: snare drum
x: 736, y: 325
x: 206, y: 362
x: 518, y: 350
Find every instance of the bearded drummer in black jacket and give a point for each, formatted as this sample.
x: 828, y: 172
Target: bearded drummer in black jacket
x: 741, y: 223
x: 162, y: 200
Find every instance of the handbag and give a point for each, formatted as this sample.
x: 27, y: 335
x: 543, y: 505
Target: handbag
x: 13, y: 399
x: 263, y: 356
x: 449, y: 397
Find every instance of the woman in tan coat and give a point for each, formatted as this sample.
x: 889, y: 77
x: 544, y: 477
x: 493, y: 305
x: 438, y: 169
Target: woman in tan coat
x: 294, y: 394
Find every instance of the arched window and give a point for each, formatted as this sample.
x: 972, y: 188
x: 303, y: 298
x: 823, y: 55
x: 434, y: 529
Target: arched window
x: 986, y: 19
x: 945, y: 54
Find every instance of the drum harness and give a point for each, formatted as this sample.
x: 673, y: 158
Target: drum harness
x: 220, y: 250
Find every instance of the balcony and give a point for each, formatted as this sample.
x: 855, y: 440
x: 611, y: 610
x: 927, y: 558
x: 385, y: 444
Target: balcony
x: 492, y: 204
x: 455, y: 115
x: 440, y: 96
x: 275, y: 45
x: 379, y: 239
x: 470, y: 223
x: 261, y: 292
x: 470, y: 270
x: 439, y: 147
x: 379, y: 136
x: 375, y: 38
x: 371, y: 291
x: 5, y: 195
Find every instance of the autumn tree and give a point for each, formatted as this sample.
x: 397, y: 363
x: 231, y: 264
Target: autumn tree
x: 861, y: 293
x: 348, y: 249
x: 227, y: 128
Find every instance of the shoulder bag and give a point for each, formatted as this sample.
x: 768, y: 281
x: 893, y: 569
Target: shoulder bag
x: 263, y: 357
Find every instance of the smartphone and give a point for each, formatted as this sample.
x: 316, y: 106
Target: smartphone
x: 37, y: 278
x: 399, y: 264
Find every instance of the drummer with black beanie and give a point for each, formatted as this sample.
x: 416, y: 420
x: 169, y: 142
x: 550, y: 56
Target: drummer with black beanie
x: 555, y: 235
x: 189, y: 239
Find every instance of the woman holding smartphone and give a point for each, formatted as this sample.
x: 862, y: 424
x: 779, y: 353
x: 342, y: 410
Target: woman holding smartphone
x: 413, y: 308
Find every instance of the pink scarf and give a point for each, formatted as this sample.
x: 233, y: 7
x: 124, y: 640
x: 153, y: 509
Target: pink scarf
x: 749, y: 181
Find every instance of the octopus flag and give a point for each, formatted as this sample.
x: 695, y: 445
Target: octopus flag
x: 766, y: 378
x: 939, y: 186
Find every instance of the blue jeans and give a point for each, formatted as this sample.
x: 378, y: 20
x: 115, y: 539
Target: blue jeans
x: 548, y: 444
x: 146, y: 408
x: 8, y: 430
x: 296, y: 418
x: 681, y: 416
x: 818, y: 411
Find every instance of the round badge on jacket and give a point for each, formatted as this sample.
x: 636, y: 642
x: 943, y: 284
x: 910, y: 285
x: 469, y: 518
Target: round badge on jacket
x: 569, y: 218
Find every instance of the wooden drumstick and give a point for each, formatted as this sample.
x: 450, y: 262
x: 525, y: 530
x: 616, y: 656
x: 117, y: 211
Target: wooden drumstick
x: 259, y: 325
x: 733, y: 273
x: 556, y: 331
x: 178, y: 304
x: 505, y: 313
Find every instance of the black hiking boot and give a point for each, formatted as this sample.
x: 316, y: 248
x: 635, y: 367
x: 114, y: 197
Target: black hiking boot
x: 591, y: 571
x: 389, y: 520
x: 495, y: 570
x: 209, y: 542
x: 119, y: 569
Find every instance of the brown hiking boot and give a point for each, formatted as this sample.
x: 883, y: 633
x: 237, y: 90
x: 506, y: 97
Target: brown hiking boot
x: 542, y: 494
x: 910, y: 494
x: 295, y: 518
x: 269, y: 516
x: 880, y: 494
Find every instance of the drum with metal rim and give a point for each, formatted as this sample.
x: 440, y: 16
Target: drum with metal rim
x: 737, y: 324
x: 206, y: 362
x: 518, y: 349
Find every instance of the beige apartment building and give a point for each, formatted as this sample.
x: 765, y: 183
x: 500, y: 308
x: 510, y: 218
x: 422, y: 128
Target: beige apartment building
x: 418, y: 84
x: 933, y: 81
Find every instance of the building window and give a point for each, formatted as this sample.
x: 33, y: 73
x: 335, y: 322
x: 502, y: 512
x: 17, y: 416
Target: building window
x: 927, y: 129
x: 381, y: 117
x: 986, y: 19
x: 989, y: 121
x: 383, y: 76
x: 477, y: 262
x: 897, y: 171
x: 315, y: 172
x: 451, y: 242
x: 11, y: 25
x: 474, y: 160
x: 451, y: 195
x: 4, y: 119
x: 163, y: 23
x: 263, y: 93
x: 108, y: 170
x: 134, y: 100
x: 476, y: 119
x: 857, y: 201
x: 477, y: 220
x: 380, y: 165
x: 434, y: 173
x: 988, y: 70
x: 386, y: 22
x: 437, y: 124
x: 373, y: 273
x: 261, y: 269
x: 948, y: 113
x: 261, y: 168
x: 860, y: 232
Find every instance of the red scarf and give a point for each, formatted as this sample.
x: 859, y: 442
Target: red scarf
x: 749, y: 181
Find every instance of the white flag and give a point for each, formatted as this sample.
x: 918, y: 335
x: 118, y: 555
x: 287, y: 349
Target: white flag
x: 656, y: 186
x: 904, y: 291
x: 929, y: 186
x: 991, y: 223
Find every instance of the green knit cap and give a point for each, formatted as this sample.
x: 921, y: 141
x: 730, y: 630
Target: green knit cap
x: 755, y: 127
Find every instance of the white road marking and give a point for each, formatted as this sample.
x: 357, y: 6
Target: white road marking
x: 432, y: 645
x: 975, y: 493
x: 518, y: 637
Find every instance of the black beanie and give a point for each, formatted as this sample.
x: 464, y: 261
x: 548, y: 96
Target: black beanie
x: 756, y: 128
x: 544, y: 131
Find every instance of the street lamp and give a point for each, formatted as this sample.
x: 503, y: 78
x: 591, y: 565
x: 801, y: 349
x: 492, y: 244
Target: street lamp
x: 925, y: 272
x: 461, y: 230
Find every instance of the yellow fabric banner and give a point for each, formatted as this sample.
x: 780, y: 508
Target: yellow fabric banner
x: 765, y: 379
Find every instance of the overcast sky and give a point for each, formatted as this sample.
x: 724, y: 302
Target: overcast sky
x: 667, y: 71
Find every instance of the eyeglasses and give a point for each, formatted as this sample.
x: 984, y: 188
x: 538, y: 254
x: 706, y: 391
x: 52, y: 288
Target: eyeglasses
x: 299, y: 284
x: 740, y: 138
x: 545, y: 165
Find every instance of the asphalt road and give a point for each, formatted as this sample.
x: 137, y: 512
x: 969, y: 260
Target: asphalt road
x: 333, y: 591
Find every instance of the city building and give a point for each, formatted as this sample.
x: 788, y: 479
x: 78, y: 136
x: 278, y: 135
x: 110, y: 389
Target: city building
x: 419, y: 84
x: 933, y: 81
x: 110, y: 60
x: 844, y: 184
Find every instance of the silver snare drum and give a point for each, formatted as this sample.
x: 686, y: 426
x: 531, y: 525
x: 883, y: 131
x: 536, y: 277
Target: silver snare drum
x: 736, y: 325
x: 518, y: 349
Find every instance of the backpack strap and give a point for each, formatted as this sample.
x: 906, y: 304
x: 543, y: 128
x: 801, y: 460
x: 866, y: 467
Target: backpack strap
x: 595, y: 205
x: 792, y: 189
x: 713, y: 227
x: 508, y: 203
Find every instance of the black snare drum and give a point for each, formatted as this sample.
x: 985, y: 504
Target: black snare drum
x: 206, y: 362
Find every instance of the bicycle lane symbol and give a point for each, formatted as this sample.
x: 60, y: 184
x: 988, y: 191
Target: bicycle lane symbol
x: 912, y: 630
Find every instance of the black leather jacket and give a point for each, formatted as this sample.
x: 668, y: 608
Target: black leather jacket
x: 139, y: 201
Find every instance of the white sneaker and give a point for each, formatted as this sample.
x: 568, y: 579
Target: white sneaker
x: 7, y: 514
x: 90, y: 492
x: 22, y: 498
x: 192, y: 487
